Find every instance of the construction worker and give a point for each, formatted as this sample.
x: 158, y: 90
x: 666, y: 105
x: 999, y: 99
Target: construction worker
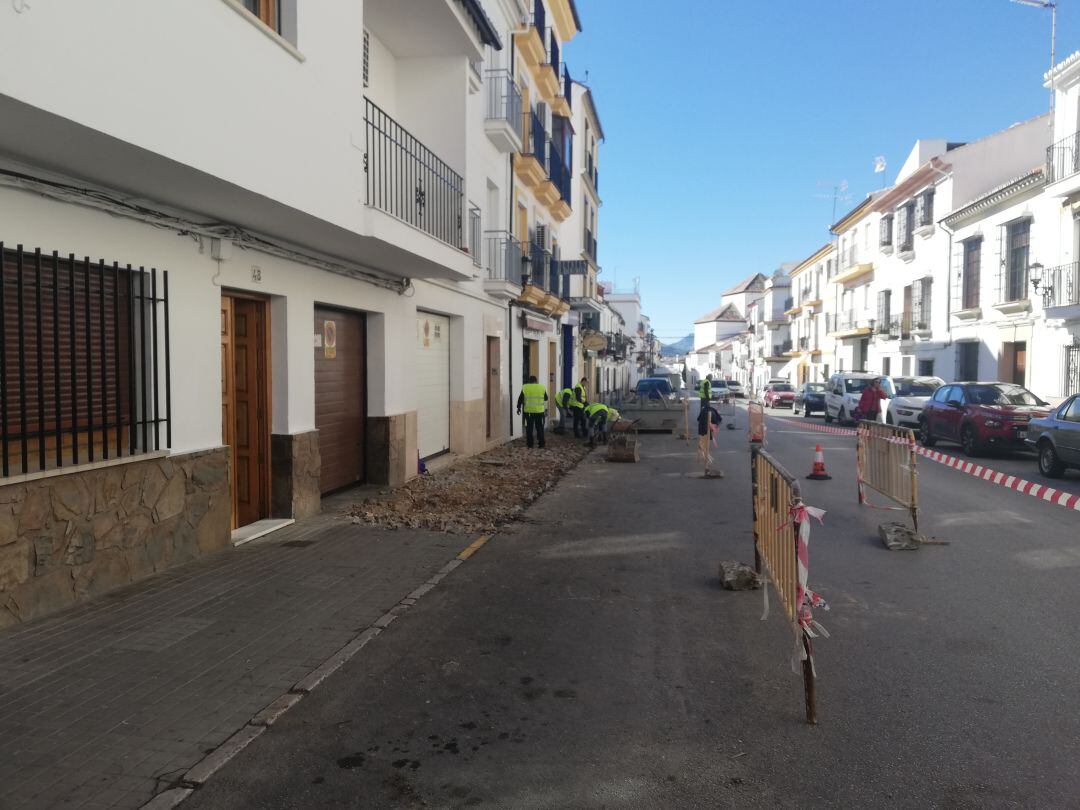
x: 533, y: 400
x: 705, y: 390
x: 599, y: 416
x: 577, y: 407
x: 564, y: 401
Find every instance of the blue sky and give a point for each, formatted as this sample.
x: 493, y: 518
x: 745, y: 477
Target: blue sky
x: 724, y: 119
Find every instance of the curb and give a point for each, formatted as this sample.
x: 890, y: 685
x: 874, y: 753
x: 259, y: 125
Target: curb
x: 198, y: 774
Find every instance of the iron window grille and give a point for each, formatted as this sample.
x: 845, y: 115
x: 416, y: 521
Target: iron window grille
x: 474, y: 234
x: 885, y: 231
x: 84, y: 369
x: 504, y: 102
x: 1014, y: 275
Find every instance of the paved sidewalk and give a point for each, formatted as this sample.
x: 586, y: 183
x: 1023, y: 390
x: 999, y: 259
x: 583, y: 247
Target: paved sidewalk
x: 109, y: 703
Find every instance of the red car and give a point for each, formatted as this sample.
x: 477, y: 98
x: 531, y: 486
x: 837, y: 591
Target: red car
x: 980, y: 416
x: 779, y: 395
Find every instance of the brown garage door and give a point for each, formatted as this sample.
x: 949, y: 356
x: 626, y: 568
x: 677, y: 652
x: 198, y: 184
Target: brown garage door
x: 340, y: 396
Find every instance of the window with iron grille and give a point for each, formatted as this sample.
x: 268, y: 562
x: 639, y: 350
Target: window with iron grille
x: 84, y: 370
x: 924, y: 209
x: 906, y: 227
x: 884, y: 299
x: 972, y: 266
x: 885, y: 231
x: 1017, y: 246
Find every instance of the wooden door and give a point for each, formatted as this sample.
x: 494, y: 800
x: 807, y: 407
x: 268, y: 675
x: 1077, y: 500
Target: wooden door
x: 245, y: 410
x: 340, y: 396
x: 1020, y: 363
x: 491, y: 392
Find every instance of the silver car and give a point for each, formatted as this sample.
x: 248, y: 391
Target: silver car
x: 911, y: 394
x: 1056, y: 438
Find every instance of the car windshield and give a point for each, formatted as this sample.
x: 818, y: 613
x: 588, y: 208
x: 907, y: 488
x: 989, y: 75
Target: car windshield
x: 781, y: 387
x: 815, y: 388
x: 856, y: 385
x: 1000, y: 395
x: 908, y: 387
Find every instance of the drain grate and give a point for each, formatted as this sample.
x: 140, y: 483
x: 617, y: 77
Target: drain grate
x: 298, y: 543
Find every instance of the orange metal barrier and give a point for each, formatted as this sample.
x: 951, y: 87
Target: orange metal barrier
x: 886, y: 462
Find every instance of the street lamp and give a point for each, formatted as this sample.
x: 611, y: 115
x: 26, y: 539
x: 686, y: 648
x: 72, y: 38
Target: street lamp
x: 1047, y: 4
x: 1036, y: 276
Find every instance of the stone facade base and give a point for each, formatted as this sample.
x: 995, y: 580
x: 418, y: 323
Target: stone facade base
x: 69, y: 537
x: 391, y: 449
x: 295, y: 466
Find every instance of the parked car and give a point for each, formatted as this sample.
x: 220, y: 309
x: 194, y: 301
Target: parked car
x: 735, y: 388
x: 655, y: 387
x: 809, y: 398
x: 779, y: 395
x: 911, y: 394
x: 720, y: 390
x: 980, y: 415
x: 1056, y: 438
x: 844, y: 389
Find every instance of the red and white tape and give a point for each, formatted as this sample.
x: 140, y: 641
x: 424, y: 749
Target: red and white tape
x: 1021, y: 485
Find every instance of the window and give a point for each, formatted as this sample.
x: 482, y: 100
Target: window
x: 926, y: 368
x: 84, y: 361
x: 1072, y: 414
x: 970, y: 283
x: 883, y: 310
x: 1017, y: 245
x: 886, y: 366
x: 885, y: 231
x: 942, y: 394
x: 906, y: 227
x: 967, y: 361
x: 924, y: 209
x: 921, y: 303
x: 269, y: 12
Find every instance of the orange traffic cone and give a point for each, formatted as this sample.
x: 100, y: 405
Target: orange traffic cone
x: 818, y: 472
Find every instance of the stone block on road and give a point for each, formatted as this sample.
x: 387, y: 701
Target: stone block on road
x: 737, y: 576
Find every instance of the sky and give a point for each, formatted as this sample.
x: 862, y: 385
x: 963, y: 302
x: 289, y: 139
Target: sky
x: 728, y: 124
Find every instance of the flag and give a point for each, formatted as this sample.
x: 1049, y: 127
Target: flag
x: 879, y: 164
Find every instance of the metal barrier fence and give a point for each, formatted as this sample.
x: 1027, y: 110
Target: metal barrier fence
x: 885, y: 461
x: 755, y: 419
x: 778, y: 511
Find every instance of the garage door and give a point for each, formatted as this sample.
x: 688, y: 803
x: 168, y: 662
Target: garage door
x: 432, y: 383
x: 340, y: 401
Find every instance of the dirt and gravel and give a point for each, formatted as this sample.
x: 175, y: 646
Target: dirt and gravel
x: 475, y: 494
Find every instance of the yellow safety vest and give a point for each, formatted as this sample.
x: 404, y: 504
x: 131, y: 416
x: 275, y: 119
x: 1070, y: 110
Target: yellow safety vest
x: 595, y: 408
x: 567, y: 396
x: 534, y: 397
x: 581, y: 393
x: 705, y: 389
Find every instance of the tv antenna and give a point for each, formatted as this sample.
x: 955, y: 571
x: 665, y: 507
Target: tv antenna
x: 839, y: 194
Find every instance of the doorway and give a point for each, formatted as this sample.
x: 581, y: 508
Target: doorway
x: 1013, y: 363
x: 340, y: 397
x: 494, y: 384
x: 245, y: 403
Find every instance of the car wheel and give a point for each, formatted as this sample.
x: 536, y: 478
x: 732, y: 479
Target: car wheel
x: 828, y: 416
x: 1049, y: 463
x: 969, y: 443
x: 925, y: 436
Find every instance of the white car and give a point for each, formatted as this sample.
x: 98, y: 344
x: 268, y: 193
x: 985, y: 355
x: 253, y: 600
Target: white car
x: 911, y: 394
x: 844, y: 389
x: 735, y: 389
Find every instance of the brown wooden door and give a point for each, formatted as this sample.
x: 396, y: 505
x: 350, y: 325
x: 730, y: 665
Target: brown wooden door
x: 245, y: 411
x: 340, y: 396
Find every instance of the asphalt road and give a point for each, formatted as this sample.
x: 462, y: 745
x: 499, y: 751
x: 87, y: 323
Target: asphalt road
x: 587, y: 658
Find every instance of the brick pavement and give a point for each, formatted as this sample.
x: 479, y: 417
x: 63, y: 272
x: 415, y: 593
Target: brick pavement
x: 108, y: 703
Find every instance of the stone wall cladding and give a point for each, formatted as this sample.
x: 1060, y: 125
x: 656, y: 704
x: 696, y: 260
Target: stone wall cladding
x: 69, y: 537
x: 295, y: 466
x: 391, y: 449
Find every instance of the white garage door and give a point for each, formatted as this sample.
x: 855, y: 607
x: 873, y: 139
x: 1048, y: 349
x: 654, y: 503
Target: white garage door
x: 432, y: 383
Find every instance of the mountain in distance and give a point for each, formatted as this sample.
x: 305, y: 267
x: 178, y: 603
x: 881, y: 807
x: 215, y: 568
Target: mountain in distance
x: 678, y: 347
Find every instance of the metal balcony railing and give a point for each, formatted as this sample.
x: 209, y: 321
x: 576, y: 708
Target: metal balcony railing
x: 537, y: 139
x: 539, y: 16
x: 1062, y: 285
x: 502, y: 256
x: 590, y: 245
x: 539, y: 268
x: 504, y: 100
x: 474, y: 235
x: 409, y: 181
x: 804, y: 344
x: 558, y: 172
x: 568, y: 87
x: 1063, y: 158
x: 849, y: 257
x: 789, y: 302
x: 551, y: 41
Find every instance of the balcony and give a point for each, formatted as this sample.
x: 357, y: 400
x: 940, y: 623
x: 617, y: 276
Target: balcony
x: 852, y: 265
x: 848, y: 324
x: 542, y: 284
x: 560, y: 178
x: 502, y: 260
x: 779, y: 352
x: 530, y: 42
x: 548, y: 71
x: 789, y: 349
x: 407, y: 181
x: 790, y: 307
x: 590, y: 246
x: 504, y: 121
x: 1061, y: 291
x: 1063, y: 166
x: 561, y: 104
x: 529, y: 163
x: 804, y: 344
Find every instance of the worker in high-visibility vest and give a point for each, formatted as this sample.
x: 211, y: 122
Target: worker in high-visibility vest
x: 705, y: 390
x: 599, y: 416
x: 533, y: 401
x: 577, y: 408
x: 563, y: 400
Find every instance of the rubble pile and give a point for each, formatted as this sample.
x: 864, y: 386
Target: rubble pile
x: 476, y: 494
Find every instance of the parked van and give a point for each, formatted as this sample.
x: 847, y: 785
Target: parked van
x: 844, y: 389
